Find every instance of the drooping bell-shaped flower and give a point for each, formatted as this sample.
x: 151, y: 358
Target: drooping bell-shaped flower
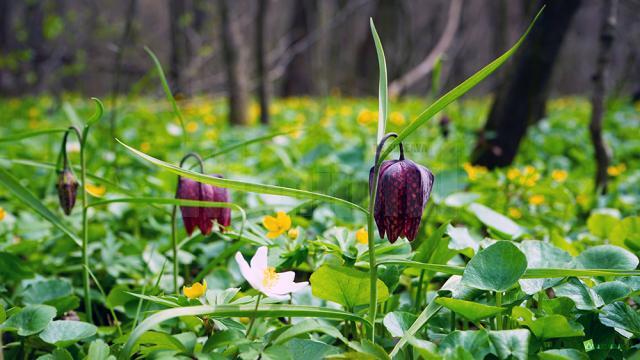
x: 202, y: 217
x: 403, y: 190
x: 67, y: 190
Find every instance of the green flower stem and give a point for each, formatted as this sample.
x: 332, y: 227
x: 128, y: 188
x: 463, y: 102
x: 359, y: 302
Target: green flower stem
x: 373, y: 273
x: 419, y: 291
x: 253, y: 318
x: 499, y: 304
x: 174, y: 243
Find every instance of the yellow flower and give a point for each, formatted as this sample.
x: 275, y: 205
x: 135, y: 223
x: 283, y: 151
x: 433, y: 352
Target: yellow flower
x: 209, y: 119
x: 3, y: 214
x: 362, y: 236
x: 513, y: 174
x: 145, y: 147
x: 397, y: 118
x: 277, y: 225
x: 515, y: 213
x: 474, y: 172
x: 96, y: 190
x: 536, y: 199
x: 582, y: 199
x: 365, y: 117
x: 293, y: 234
x: 616, y: 170
x: 559, y: 175
x: 191, y: 127
x: 211, y: 134
x: 196, y: 290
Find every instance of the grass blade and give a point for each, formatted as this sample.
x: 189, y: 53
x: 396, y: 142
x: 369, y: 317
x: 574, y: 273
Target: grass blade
x: 23, y: 194
x: 242, y: 185
x: 245, y: 143
x: 167, y: 92
x: 30, y: 134
x: 457, y: 92
x: 276, y: 310
x: 424, y: 317
x: 98, y: 113
x: 383, y: 95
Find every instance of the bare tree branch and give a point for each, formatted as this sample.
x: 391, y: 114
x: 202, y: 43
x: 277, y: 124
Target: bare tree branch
x: 424, y: 68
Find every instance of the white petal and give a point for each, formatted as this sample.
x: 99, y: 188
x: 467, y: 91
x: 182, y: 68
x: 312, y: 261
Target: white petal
x: 275, y: 296
x: 247, y: 272
x: 259, y: 260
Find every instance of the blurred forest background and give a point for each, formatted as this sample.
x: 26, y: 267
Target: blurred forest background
x: 305, y: 47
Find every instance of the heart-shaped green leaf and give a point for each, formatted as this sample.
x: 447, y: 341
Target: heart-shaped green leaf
x: 496, y: 268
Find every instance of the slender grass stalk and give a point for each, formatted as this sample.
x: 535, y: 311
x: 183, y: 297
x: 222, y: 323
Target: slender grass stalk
x: 253, y: 318
x: 174, y: 245
x: 104, y: 295
x: 419, y: 291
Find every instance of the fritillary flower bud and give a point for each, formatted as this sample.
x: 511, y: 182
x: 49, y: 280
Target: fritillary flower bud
x: 402, y: 193
x: 67, y: 190
x: 191, y: 190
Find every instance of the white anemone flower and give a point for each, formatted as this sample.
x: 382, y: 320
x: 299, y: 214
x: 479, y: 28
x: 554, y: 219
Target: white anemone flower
x: 265, y: 279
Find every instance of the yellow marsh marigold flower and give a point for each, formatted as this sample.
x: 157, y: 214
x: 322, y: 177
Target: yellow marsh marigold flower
x: 515, y: 213
x: 513, y: 174
x: 196, y: 290
x: 277, y: 225
x: 362, y: 236
x: 396, y: 118
x: 3, y: 214
x: 559, y: 175
x: 191, y: 127
x: 616, y: 170
x: 366, y: 116
x: 536, y: 199
x: 293, y: 234
x: 96, y: 190
x: 145, y: 147
x: 474, y: 172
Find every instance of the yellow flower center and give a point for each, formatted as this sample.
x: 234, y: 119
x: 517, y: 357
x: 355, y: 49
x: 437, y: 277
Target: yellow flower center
x: 362, y: 236
x: 270, y: 277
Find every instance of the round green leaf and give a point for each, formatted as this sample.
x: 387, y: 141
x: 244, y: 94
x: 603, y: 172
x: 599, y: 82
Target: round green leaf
x: 398, y: 322
x: 562, y: 354
x: 30, y: 320
x: 496, y: 268
x: 607, y: 257
x: 622, y: 316
x: 601, y: 224
x: 496, y: 221
x: 63, y: 333
x: 612, y: 290
x: 511, y: 344
x: 469, y: 309
x: 344, y: 285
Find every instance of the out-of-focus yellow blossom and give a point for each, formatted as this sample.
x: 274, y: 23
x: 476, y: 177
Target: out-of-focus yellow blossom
x: 362, y: 236
x: 293, y: 234
x: 145, y: 147
x: 345, y: 111
x: 245, y: 320
x: 191, y: 127
x: 515, y: 213
x: 616, y: 170
x: 582, y: 199
x: 397, y: 118
x: 529, y: 177
x: 277, y: 225
x: 209, y: 119
x: 33, y: 112
x: 366, y: 117
x: 513, y: 174
x: 211, y: 134
x: 474, y: 172
x: 3, y: 214
x: 95, y: 190
x: 536, y: 199
x: 196, y: 290
x: 559, y: 175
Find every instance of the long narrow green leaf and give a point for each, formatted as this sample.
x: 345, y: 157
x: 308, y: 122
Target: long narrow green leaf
x: 30, y: 134
x: 242, y: 185
x: 531, y: 273
x: 167, y: 92
x: 245, y: 143
x: 23, y: 194
x: 276, y: 310
x: 457, y: 92
x: 424, y: 317
x: 97, y: 115
x: 383, y: 95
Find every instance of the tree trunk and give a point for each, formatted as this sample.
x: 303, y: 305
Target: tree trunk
x: 520, y: 100
x: 179, y: 46
x: 297, y: 79
x: 236, y: 82
x: 607, y: 30
x: 261, y: 61
x: 5, y: 45
x: 36, y: 42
